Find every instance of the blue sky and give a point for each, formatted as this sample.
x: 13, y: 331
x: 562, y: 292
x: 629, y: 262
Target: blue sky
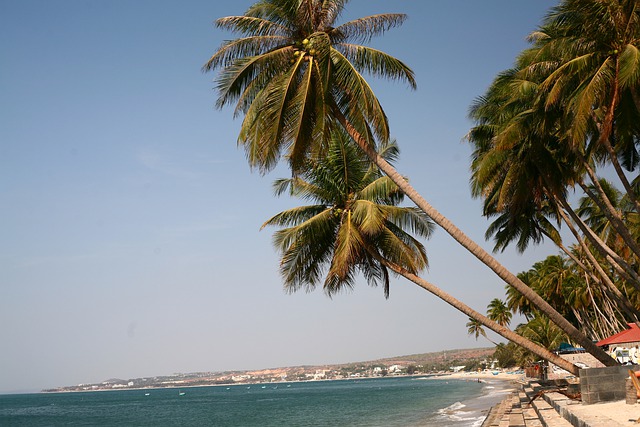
x: 129, y: 228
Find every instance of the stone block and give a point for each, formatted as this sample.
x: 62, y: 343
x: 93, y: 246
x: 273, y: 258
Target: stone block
x: 603, y: 384
x: 631, y: 395
x: 589, y: 398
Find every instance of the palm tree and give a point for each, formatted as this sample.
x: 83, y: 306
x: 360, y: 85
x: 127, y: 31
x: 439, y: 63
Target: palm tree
x: 294, y: 71
x: 475, y: 328
x: 355, y: 226
x: 498, y: 311
x: 572, y: 293
x: 296, y: 76
x: 542, y: 331
x: 522, y: 171
x: 588, y: 54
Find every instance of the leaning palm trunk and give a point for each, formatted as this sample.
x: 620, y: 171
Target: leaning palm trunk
x: 609, y: 287
x: 494, y: 326
x: 615, y: 260
x: 605, y: 134
x: 572, y: 332
x: 609, y: 211
x: 610, y: 290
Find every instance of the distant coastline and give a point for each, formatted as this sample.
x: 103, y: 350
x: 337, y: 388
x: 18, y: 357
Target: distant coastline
x: 426, y: 364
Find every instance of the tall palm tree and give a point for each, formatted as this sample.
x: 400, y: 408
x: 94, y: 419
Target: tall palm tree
x: 355, y: 226
x: 542, y: 331
x: 522, y: 171
x: 573, y: 294
x: 295, y: 75
x: 590, y: 53
x: 498, y: 311
x: 294, y: 69
x: 476, y: 328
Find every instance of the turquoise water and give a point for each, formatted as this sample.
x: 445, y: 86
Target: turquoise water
x: 388, y: 402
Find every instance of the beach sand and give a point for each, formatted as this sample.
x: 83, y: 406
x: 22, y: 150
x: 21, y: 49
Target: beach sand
x: 618, y: 411
x: 599, y: 413
x: 484, y: 375
x: 496, y: 389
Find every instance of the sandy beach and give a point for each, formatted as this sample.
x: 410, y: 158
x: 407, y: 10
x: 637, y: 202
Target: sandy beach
x: 485, y: 376
x: 497, y: 388
x: 618, y: 411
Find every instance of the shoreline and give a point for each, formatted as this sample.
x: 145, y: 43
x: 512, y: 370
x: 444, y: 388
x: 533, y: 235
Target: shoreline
x: 172, y: 387
x: 497, y: 388
x: 480, y: 376
x: 483, y: 375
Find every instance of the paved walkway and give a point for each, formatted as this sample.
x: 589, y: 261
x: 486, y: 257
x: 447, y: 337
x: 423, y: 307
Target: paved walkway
x: 553, y: 409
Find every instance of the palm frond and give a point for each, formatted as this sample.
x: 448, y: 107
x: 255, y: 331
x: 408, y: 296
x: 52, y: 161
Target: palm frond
x: 295, y: 217
x: 253, y: 26
x: 331, y: 10
x: 377, y: 63
x: 348, y: 248
x: 586, y: 96
x: 368, y: 217
x: 232, y: 50
x: 355, y: 87
x: 382, y: 190
x: 410, y: 218
x: 401, y: 249
x: 364, y: 29
x: 235, y: 78
x: 629, y: 61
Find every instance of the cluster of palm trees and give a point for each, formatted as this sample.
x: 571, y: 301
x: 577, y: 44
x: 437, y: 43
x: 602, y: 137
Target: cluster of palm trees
x: 548, y: 131
x: 538, y: 329
x: 570, y: 105
x: 497, y: 311
x: 563, y: 282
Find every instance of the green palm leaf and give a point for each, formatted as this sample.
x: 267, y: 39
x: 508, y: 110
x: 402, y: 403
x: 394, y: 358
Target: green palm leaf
x: 353, y: 225
x: 364, y: 29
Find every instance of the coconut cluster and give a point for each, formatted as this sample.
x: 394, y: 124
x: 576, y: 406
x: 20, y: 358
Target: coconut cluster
x: 304, y: 48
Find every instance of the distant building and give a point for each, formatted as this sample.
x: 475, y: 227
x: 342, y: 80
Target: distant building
x: 624, y: 346
x: 628, y: 338
x: 320, y: 374
x: 395, y: 369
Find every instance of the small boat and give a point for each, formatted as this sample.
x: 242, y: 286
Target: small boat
x: 181, y: 393
x: 147, y: 394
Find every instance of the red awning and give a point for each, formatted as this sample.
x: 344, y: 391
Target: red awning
x: 628, y: 335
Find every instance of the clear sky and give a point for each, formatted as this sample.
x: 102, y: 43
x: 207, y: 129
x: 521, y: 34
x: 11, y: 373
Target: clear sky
x: 129, y: 220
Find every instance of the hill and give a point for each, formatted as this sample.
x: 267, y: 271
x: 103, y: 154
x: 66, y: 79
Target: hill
x: 424, y: 363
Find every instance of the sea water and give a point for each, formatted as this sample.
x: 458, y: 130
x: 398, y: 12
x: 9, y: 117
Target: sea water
x: 383, y: 402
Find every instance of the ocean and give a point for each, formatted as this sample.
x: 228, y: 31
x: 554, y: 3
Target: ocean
x: 379, y: 402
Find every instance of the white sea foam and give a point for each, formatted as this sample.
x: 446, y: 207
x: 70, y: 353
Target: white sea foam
x: 473, y: 412
x: 455, y: 415
x: 452, y: 408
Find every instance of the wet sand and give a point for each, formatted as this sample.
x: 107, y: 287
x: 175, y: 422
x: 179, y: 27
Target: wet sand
x: 496, y: 389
